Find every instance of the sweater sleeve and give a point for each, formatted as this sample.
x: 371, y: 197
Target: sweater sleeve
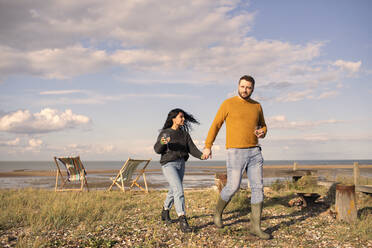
x: 217, y: 123
x: 193, y: 150
x: 261, y: 121
x: 158, y: 147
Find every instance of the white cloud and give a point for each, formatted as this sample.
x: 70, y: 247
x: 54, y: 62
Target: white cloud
x: 203, y: 42
x: 77, y: 149
x: 165, y: 95
x: 13, y: 142
x: 58, y: 63
x: 59, y: 92
x: 295, y: 96
x: 276, y: 85
x: 17, y: 146
x: 278, y: 118
x: 349, y: 66
x: 47, y: 120
x: 35, y: 143
x: 281, y: 122
x: 222, y: 59
x: 96, y: 98
x: 214, y: 62
x: 201, y: 37
x: 297, y: 69
x: 316, y: 137
x: 130, y: 23
x: 327, y: 94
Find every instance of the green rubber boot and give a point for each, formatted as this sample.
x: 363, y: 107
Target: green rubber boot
x: 165, y: 216
x: 184, y: 225
x: 256, y: 221
x: 217, y: 217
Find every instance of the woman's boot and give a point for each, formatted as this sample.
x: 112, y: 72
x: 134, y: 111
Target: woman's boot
x: 217, y: 217
x: 184, y: 226
x: 165, y: 216
x: 256, y: 221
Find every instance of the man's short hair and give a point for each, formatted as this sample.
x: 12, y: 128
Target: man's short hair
x: 247, y: 78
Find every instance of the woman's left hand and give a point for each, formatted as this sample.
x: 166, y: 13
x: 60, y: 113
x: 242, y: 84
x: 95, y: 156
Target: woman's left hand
x: 203, y: 157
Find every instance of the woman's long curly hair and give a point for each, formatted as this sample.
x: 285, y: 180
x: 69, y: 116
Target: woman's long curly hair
x: 189, y: 119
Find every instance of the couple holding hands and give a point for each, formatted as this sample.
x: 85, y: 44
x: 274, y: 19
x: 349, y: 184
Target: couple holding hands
x: 245, y: 124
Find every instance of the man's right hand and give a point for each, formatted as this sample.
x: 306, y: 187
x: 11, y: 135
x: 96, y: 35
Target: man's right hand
x: 207, y: 153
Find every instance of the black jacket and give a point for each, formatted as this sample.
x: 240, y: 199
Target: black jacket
x: 180, y: 146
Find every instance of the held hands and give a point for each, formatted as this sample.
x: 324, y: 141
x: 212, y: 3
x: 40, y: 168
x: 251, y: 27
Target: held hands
x: 207, y: 153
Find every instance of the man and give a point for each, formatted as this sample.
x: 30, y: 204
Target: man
x: 245, y: 123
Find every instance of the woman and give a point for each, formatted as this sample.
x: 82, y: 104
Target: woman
x: 174, y: 144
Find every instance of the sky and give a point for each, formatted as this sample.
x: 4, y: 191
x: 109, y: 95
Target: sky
x: 98, y: 78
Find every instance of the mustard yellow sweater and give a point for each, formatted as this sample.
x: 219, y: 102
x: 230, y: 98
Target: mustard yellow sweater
x: 241, y: 119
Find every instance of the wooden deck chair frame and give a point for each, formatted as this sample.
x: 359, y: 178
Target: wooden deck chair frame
x: 64, y: 181
x: 119, y: 179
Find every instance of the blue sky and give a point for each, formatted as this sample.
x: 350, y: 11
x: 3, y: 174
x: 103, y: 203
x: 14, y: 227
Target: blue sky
x: 97, y: 78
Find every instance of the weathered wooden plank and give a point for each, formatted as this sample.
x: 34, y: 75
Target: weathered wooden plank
x: 356, y: 173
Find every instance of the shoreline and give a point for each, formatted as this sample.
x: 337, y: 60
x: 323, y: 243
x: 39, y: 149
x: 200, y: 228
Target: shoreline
x: 195, y: 176
x: 206, y: 170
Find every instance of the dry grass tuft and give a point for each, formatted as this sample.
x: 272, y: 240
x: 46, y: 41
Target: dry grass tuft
x: 42, y: 218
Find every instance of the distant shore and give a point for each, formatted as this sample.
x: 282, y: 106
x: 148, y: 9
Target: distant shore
x: 195, y: 176
x: 269, y: 170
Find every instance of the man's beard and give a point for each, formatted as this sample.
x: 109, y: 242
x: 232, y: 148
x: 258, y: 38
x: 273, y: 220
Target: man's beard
x: 245, y: 98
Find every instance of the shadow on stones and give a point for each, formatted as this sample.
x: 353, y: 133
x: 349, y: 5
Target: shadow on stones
x: 311, y: 211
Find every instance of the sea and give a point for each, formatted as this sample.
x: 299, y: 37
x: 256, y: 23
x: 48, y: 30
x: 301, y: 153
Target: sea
x: 198, y: 174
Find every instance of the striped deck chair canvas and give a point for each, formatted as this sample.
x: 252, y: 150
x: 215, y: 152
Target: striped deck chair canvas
x: 127, y: 172
x: 75, y: 171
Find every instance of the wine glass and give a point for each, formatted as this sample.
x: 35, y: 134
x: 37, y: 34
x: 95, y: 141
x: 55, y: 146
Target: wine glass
x: 166, y: 136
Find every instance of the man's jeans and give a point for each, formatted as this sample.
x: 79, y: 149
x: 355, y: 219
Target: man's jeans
x: 238, y: 161
x: 174, y: 172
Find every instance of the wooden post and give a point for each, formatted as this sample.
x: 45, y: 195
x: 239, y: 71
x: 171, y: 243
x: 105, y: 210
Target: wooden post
x: 346, y: 203
x: 144, y: 179
x: 248, y: 185
x: 294, y: 166
x: 356, y: 173
x: 220, y: 180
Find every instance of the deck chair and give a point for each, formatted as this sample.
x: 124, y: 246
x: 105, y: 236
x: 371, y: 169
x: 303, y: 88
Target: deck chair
x: 126, y: 173
x: 75, y: 172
